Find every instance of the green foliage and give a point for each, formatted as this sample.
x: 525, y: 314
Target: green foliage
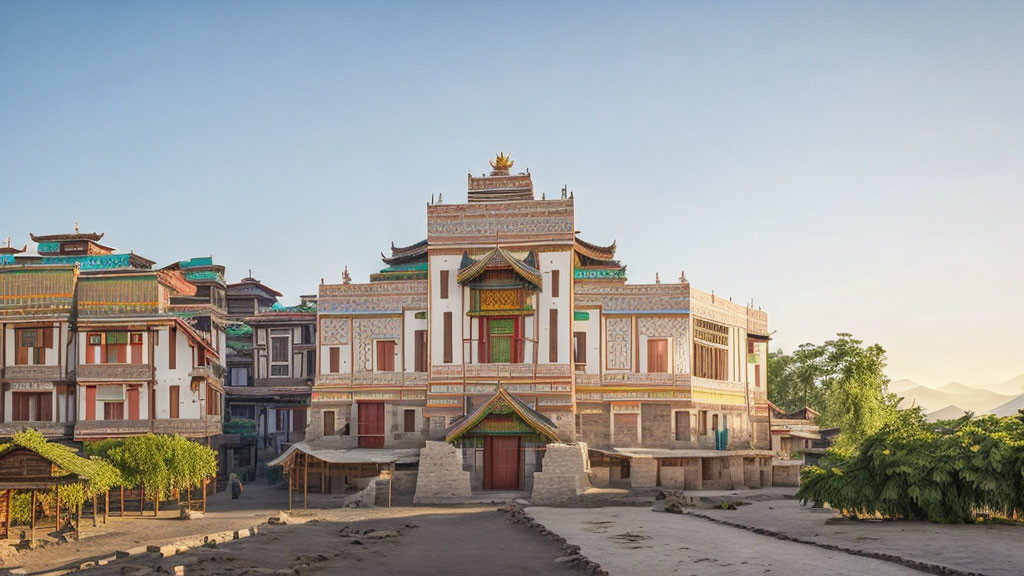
x: 941, y: 472
x: 841, y: 379
x: 100, y: 447
x: 163, y: 464
x: 241, y: 426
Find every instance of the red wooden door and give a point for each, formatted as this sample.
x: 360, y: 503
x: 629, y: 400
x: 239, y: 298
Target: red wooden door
x: 501, y: 462
x: 133, y: 403
x: 371, y: 424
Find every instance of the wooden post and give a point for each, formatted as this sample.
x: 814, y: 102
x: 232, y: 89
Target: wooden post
x: 142, y: 500
x: 106, y: 506
x: 122, y: 502
x: 206, y: 482
x: 32, y: 523
x: 78, y: 522
x: 56, y: 490
x: 305, y: 479
x: 323, y: 475
x: 9, y: 494
x: 156, y: 504
x: 95, y: 505
x: 189, y: 498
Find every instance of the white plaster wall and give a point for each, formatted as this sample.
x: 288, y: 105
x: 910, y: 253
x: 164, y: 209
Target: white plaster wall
x: 409, y: 348
x: 10, y: 347
x: 561, y: 261
x: 592, y: 328
x: 438, y: 307
x: 190, y: 405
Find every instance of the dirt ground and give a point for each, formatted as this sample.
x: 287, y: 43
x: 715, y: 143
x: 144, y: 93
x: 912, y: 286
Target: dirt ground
x: 626, y: 541
x: 455, y: 541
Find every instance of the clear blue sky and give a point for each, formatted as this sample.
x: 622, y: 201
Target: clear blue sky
x: 850, y: 166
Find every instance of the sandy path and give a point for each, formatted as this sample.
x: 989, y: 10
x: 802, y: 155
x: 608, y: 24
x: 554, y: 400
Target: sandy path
x: 626, y: 541
x: 456, y: 541
x: 988, y: 549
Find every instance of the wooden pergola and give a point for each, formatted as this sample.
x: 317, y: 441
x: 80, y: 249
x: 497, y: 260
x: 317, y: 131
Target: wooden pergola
x: 301, y: 463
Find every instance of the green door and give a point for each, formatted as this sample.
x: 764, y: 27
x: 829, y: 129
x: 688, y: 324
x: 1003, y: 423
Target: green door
x: 501, y: 339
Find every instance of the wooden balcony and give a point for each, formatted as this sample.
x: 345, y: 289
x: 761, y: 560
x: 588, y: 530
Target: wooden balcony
x: 32, y: 374
x: 213, y: 373
x: 53, y: 430
x: 191, y: 428
x: 113, y: 372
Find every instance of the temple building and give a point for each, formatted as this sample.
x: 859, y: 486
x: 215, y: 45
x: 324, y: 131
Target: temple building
x: 504, y: 331
x: 99, y: 344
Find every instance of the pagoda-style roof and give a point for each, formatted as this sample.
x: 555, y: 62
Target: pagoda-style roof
x: 499, y: 258
x: 247, y: 286
x: 503, y: 402
x: 76, y: 236
x: 37, y: 290
x: 595, y: 252
x: 11, y: 249
x: 406, y: 254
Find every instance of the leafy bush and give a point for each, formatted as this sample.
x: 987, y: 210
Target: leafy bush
x: 941, y: 472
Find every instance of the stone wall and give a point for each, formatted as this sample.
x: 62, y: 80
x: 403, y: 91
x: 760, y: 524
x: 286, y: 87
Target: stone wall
x: 596, y: 431
x: 441, y: 478
x: 643, y: 473
x: 786, y: 474
x: 656, y: 424
x: 564, y: 476
x: 673, y: 477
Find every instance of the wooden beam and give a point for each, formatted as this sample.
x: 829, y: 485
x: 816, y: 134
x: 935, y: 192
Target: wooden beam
x: 57, y: 495
x: 305, y: 479
x: 32, y: 522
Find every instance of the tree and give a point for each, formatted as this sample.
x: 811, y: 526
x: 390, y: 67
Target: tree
x: 162, y: 464
x: 841, y: 379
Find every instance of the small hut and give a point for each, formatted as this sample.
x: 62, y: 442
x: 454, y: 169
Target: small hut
x: 31, y: 464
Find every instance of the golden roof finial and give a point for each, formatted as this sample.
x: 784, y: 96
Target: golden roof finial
x: 502, y: 162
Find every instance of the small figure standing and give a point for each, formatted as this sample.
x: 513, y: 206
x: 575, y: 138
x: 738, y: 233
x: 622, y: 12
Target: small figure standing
x: 236, y: 486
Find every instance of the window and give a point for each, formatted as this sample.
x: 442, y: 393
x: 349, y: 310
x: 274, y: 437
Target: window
x: 279, y: 354
x: 579, y: 349
x: 410, y: 420
x: 702, y: 422
x: 385, y: 356
x: 447, y: 337
x: 444, y: 284
x: 172, y: 348
x: 714, y: 422
x: 553, y: 335
x: 31, y: 406
x: 136, y: 345
x: 31, y: 345
x: 239, y: 376
x: 554, y: 283
x: 173, y: 393
x: 420, y: 340
x: 657, y: 356
x: 115, y: 348
x: 113, y: 410
x: 682, y: 426
x: 328, y: 422
x: 335, y: 363
x: 710, y: 350
x: 750, y: 346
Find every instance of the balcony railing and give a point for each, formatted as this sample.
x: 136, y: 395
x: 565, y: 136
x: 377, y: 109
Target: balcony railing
x: 48, y: 429
x: 120, y: 372
x: 192, y: 428
x: 32, y: 373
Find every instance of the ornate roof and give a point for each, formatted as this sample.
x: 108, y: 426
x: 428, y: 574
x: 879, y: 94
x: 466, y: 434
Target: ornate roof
x: 250, y: 283
x: 595, y: 252
x: 92, y: 237
x: 503, y: 402
x: 499, y: 257
x: 406, y: 254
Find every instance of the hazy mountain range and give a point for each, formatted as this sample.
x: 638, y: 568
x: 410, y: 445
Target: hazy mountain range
x: 953, y: 399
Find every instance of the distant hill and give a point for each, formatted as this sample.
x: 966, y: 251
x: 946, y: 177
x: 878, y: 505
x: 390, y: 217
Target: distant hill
x: 1010, y: 408
x: 1013, y: 386
x: 954, y: 394
x: 947, y: 413
x: 900, y: 386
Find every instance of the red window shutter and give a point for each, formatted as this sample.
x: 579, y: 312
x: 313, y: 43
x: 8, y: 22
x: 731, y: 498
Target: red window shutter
x: 580, y: 352
x: 21, y: 356
x: 420, y: 338
x: 447, y: 337
x: 554, y: 283
x: 553, y: 335
x: 172, y: 348
x: 410, y: 421
x: 335, y: 360
x: 133, y: 403
x: 44, y: 407
x: 173, y: 393
x: 757, y: 375
x: 90, y: 402
x: 48, y: 337
x: 444, y: 284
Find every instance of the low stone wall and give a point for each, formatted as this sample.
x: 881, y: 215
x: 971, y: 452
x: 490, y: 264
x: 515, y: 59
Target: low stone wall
x: 673, y: 477
x: 643, y: 473
x: 441, y: 478
x: 786, y: 474
x: 564, y: 476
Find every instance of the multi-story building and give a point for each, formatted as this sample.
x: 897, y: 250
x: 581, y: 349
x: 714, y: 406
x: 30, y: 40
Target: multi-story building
x: 504, y: 294
x: 107, y: 352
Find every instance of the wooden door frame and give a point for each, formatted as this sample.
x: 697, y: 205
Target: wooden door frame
x: 488, y: 482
